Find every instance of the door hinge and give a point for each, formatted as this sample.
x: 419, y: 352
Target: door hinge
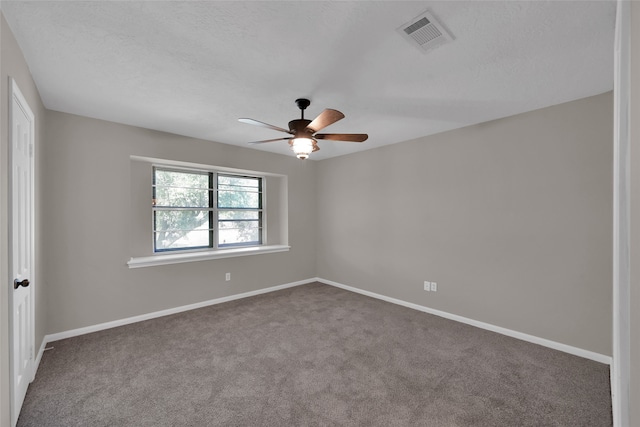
x: 31, y: 353
x: 30, y: 150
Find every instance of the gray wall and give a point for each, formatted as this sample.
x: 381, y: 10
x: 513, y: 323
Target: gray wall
x: 12, y: 64
x: 512, y: 218
x: 88, y: 224
x: 634, y: 418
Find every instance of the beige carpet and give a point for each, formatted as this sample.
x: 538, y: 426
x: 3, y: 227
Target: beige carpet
x: 312, y: 355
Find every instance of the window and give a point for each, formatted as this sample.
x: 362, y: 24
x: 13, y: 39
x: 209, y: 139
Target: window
x: 205, y: 209
x: 204, y: 212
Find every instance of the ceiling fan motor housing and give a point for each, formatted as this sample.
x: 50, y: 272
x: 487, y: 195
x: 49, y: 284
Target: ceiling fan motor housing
x: 298, y: 127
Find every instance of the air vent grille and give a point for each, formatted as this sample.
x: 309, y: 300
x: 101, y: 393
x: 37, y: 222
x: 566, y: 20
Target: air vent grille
x: 425, y: 32
x: 416, y: 26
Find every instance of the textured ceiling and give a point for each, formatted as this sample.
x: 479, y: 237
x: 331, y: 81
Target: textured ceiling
x: 193, y: 68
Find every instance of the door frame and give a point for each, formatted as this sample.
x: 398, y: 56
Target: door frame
x: 621, y: 342
x: 16, y: 95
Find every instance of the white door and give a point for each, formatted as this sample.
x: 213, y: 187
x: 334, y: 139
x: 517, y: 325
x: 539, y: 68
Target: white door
x: 22, y: 248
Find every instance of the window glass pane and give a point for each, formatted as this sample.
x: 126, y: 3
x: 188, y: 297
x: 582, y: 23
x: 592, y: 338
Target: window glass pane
x: 239, y: 192
x: 181, y: 228
x: 191, y: 239
x: 230, y: 214
x: 239, y: 225
x: 182, y: 197
x: 226, y: 182
x: 238, y: 232
x: 181, y: 179
x: 238, y: 199
x: 181, y: 219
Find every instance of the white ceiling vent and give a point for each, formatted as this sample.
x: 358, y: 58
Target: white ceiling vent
x: 425, y: 32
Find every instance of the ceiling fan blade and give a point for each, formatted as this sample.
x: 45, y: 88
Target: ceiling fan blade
x: 262, y: 124
x: 269, y: 140
x: 326, y: 118
x: 349, y: 137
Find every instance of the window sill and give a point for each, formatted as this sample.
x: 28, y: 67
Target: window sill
x: 176, y: 258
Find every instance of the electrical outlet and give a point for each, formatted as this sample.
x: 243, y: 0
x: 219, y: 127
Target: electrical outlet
x: 434, y: 287
x: 427, y: 286
x: 227, y: 277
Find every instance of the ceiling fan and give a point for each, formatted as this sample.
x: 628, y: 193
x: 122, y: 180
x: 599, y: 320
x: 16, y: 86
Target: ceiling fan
x: 304, y: 139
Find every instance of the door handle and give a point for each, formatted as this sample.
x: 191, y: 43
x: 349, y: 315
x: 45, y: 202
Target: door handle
x: 23, y: 283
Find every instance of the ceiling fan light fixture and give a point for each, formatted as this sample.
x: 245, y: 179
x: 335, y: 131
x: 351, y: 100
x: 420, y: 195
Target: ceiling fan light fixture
x: 302, y: 147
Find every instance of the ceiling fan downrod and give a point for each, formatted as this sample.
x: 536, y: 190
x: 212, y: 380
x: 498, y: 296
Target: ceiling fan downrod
x: 302, y: 104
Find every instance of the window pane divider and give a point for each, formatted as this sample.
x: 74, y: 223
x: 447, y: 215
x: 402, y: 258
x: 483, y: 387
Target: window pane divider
x: 179, y: 186
x: 182, y: 208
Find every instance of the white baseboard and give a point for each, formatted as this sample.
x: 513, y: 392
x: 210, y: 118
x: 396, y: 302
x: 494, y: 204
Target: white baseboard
x: 504, y: 331
x: 39, y: 357
x: 169, y: 311
x: 614, y: 388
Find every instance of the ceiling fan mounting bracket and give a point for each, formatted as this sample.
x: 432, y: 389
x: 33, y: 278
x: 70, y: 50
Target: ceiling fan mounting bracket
x: 302, y: 103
